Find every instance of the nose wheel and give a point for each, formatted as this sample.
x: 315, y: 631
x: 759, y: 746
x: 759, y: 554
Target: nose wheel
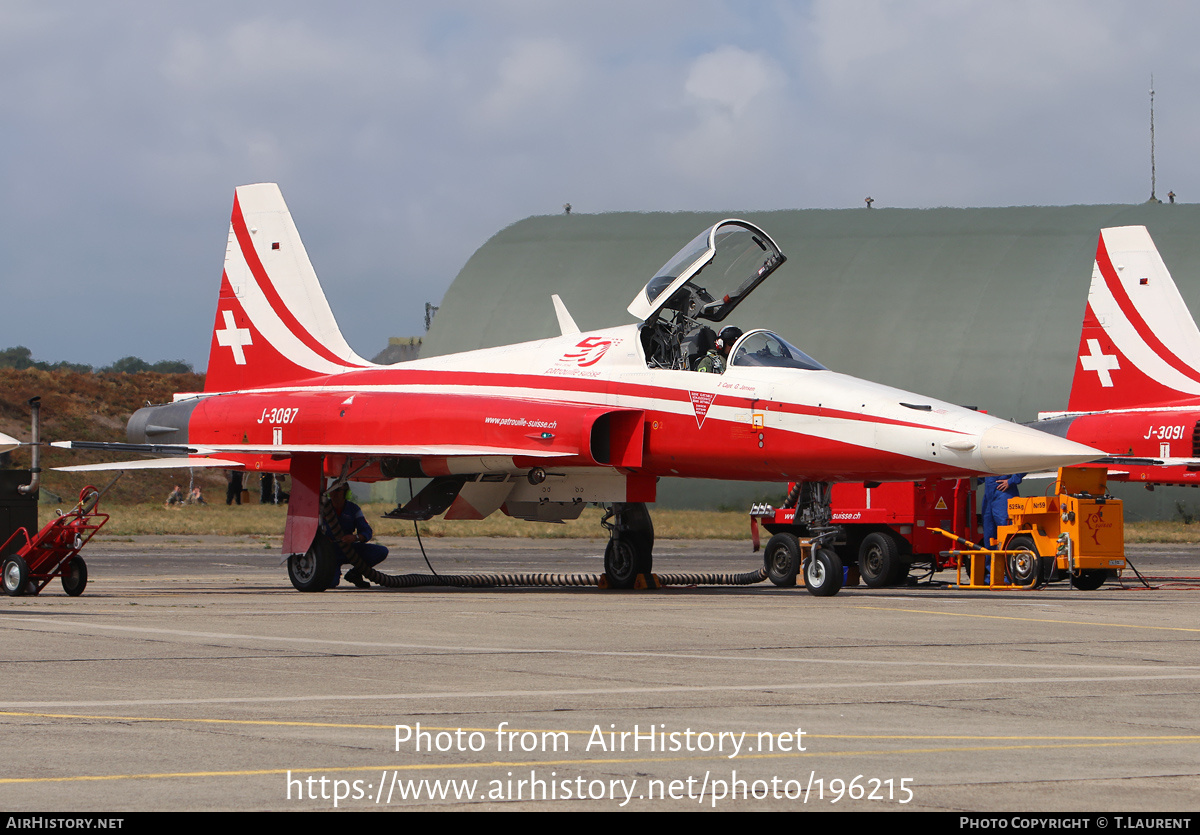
x: 823, y: 573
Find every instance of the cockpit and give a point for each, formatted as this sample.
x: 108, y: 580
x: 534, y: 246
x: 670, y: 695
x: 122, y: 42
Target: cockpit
x: 702, y: 284
x: 764, y: 349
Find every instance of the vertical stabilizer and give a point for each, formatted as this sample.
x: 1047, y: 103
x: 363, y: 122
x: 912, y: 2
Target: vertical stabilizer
x: 1139, y: 346
x: 273, y: 322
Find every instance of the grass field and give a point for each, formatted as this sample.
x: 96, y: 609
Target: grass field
x: 267, y: 520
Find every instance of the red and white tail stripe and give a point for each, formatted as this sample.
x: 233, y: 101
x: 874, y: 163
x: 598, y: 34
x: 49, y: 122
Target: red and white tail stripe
x: 1139, y: 346
x: 273, y: 322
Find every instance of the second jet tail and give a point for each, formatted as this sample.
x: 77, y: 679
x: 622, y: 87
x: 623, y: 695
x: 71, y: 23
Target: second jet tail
x: 1139, y: 346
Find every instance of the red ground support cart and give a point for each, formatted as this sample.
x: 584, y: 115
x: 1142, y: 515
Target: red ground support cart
x: 54, y: 550
x: 886, y: 529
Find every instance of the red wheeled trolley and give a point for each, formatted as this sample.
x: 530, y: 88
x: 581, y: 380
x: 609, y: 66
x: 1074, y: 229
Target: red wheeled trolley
x: 54, y: 550
x: 885, y: 529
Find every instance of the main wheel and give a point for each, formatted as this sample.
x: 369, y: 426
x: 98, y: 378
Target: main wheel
x: 315, y: 569
x: 1089, y: 579
x: 625, y: 559
x: 636, y: 524
x: 879, y: 560
x: 823, y: 573
x: 15, y: 576
x: 1025, y: 567
x: 782, y: 559
x: 74, y: 577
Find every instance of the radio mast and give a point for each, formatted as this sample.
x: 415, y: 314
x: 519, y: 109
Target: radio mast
x: 1153, y: 198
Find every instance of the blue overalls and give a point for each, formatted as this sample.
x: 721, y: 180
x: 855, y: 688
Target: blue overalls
x: 994, y: 511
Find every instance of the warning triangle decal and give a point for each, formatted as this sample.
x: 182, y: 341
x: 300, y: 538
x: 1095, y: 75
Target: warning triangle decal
x: 700, y: 404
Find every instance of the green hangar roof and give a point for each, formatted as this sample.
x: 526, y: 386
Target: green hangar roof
x: 981, y: 307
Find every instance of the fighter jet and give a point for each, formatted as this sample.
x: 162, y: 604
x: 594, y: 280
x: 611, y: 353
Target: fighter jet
x: 539, y: 429
x: 1136, y: 388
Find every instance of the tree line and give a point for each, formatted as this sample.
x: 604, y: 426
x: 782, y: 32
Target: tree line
x: 20, y: 358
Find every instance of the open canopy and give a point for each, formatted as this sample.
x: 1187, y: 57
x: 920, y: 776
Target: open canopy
x: 710, y: 276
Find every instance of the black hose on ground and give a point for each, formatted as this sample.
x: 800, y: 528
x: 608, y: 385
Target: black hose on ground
x: 402, y: 581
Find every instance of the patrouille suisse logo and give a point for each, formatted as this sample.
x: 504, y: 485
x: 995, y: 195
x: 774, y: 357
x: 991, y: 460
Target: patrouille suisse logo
x: 589, y: 351
x: 700, y: 404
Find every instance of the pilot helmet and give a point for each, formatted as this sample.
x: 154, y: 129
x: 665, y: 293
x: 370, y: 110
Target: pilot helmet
x: 727, y: 337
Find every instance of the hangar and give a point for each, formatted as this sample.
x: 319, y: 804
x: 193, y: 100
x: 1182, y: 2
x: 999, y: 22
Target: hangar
x: 981, y: 307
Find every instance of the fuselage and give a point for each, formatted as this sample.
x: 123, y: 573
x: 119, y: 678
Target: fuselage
x: 1168, y: 433
x: 589, y: 400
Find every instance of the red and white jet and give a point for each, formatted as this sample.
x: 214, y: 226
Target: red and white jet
x: 1136, y: 389
x: 541, y: 428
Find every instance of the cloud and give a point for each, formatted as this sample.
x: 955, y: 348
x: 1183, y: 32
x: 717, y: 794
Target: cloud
x: 534, y: 77
x: 404, y: 135
x: 732, y: 78
x: 734, y: 121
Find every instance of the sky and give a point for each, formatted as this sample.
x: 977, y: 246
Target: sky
x: 404, y: 135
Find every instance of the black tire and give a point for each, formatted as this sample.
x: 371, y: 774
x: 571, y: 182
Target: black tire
x: 782, y: 559
x: 315, y: 569
x: 15, y: 576
x: 879, y: 561
x: 636, y: 523
x: 823, y: 573
x: 1089, y: 579
x: 74, y: 576
x: 1024, y: 569
x: 625, y: 559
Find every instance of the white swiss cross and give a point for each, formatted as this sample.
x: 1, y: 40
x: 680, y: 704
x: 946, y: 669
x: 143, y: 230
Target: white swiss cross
x: 234, y: 337
x: 1099, y: 362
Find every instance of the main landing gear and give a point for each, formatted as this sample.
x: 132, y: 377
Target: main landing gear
x: 317, y: 568
x: 628, y: 554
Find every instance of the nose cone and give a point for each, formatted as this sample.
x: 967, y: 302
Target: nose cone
x: 1009, y: 448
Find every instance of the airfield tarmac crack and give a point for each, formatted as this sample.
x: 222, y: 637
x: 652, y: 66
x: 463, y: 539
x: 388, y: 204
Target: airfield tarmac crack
x: 45, y: 663
x: 306, y: 744
x: 1061, y: 781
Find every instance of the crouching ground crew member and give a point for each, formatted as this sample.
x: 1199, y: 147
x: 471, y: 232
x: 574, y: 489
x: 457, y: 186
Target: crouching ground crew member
x: 357, y: 533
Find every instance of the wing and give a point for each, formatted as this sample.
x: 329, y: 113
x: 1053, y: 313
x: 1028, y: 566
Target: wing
x: 153, y: 464
x: 186, y: 457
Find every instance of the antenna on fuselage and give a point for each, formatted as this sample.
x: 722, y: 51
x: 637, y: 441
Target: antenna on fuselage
x: 566, y: 324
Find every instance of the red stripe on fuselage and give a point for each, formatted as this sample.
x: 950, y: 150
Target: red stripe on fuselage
x: 674, y: 444
x: 566, y: 385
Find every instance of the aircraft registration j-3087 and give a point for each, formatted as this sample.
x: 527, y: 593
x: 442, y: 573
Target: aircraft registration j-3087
x: 539, y: 429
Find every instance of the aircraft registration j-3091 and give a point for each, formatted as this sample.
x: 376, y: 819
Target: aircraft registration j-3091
x: 539, y: 429
x: 1136, y: 388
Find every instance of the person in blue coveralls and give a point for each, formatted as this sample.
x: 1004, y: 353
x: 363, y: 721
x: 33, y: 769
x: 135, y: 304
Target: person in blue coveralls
x: 357, y: 533
x: 997, y: 490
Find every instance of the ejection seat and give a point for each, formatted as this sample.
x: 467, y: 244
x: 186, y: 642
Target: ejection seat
x: 703, y: 342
